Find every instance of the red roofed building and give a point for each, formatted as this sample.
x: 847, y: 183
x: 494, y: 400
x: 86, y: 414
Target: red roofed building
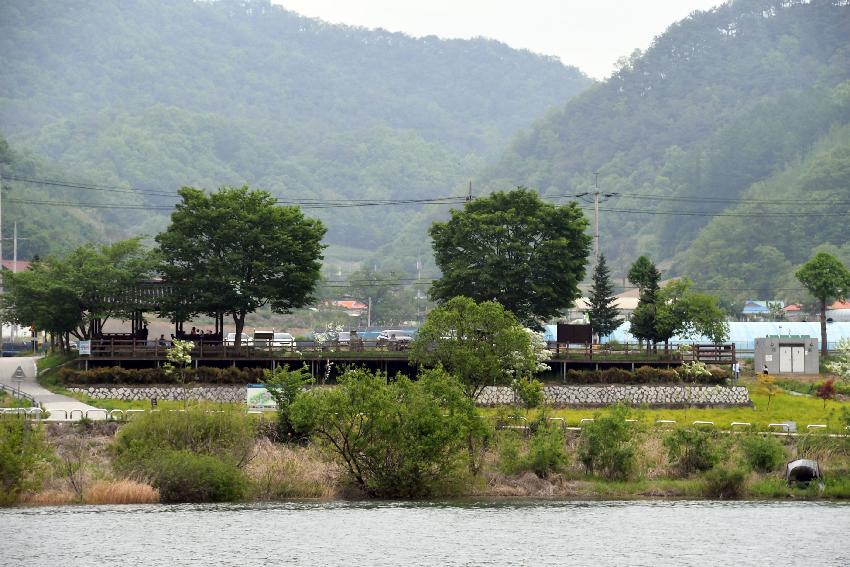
x: 22, y: 265
x: 838, y: 311
x: 354, y: 307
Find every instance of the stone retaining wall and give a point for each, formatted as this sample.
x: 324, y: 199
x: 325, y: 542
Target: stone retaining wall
x: 557, y: 396
x: 602, y: 396
x: 165, y: 392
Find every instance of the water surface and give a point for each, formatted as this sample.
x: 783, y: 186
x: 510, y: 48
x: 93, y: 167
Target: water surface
x: 504, y: 533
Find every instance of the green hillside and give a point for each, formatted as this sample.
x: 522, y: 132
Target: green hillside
x: 157, y: 95
x: 712, y: 114
x: 49, y: 230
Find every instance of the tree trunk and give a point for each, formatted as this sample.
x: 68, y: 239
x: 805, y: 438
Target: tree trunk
x: 823, y: 349
x: 239, y: 322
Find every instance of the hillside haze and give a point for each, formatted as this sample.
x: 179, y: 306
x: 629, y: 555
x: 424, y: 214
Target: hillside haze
x: 158, y: 95
x: 738, y: 112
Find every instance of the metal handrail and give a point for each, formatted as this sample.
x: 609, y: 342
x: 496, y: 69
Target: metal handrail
x: 17, y: 392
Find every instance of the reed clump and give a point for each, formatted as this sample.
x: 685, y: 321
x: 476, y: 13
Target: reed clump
x: 122, y: 491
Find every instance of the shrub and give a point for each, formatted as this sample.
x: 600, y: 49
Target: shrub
x: 528, y: 391
x: 546, y: 451
x: 398, y: 440
x: 134, y: 376
x: 724, y: 483
x: 606, y: 445
x: 24, y: 457
x: 182, y: 476
x: 285, y: 385
x: 691, y: 450
x: 616, y: 376
x: 762, y: 454
x: 509, y: 448
x: 228, y: 436
x: 647, y: 375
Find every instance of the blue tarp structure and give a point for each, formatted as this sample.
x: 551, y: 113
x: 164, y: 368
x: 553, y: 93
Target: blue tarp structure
x: 753, y: 307
x: 743, y: 334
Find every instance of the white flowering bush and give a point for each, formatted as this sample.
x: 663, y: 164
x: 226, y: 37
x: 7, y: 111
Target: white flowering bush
x: 693, y: 370
x: 329, y: 335
x: 841, y: 365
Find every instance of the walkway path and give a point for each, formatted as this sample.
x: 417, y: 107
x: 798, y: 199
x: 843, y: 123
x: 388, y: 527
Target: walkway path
x: 59, y: 406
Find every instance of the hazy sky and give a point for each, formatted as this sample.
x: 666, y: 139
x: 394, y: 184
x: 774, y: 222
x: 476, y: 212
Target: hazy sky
x: 590, y: 34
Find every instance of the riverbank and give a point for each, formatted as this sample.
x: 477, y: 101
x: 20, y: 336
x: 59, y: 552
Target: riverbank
x: 81, y: 465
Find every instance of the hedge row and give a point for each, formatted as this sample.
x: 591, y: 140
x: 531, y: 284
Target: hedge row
x: 233, y: 375
x: 642, y: 375
x: 122, y: 376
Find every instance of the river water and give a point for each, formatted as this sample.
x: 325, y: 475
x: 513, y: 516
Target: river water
x: 505, y: 533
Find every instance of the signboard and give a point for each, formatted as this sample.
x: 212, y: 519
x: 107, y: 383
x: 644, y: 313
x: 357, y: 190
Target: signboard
x: 259, y: 398
x: 575, y: 334
x: 84, y: 347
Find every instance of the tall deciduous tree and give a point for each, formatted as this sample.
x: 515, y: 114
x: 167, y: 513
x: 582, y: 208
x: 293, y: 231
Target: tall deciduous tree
x: 680, y: 311
x: 604, y: 315
x: 79, y: 293
x: 235, y: 250
x: 826, y: 278
x: 513, y: 248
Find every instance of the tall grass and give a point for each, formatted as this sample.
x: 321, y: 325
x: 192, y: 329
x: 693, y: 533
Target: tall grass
x: 121, y: 492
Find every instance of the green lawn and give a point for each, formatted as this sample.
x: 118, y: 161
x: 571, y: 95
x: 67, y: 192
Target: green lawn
x: 783, y: 407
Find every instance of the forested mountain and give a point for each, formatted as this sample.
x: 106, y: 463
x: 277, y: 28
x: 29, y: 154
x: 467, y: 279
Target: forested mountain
x: 743, y: 103
x: 47, y: 230
x: 157, y: 95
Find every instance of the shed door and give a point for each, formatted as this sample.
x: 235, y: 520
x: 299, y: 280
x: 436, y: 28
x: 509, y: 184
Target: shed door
x: 798, y: 359
x: 785, y: 364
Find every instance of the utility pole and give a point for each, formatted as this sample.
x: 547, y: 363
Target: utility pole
x: 596, y: 209
x: 597, y: 197
x: 1, y: 254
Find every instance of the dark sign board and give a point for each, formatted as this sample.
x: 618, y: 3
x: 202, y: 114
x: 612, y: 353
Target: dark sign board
x: 575, y: 334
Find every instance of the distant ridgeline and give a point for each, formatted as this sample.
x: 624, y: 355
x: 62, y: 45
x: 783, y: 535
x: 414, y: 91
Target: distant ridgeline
x: 157, y: 95
x: 740, y: 111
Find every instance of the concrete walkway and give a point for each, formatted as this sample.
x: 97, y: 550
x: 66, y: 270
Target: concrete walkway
x: 61, y: 408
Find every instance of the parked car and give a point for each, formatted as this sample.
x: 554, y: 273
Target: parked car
x: 230, y: 340
x: 283, y: 340
x: 395, y: 338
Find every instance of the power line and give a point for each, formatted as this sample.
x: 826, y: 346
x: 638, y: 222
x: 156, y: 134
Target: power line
x: 314, y: 203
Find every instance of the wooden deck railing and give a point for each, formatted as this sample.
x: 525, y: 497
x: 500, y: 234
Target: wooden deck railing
x: 156, y: 349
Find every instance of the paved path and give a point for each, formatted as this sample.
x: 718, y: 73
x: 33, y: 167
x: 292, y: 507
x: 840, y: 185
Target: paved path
x: 59, y: 406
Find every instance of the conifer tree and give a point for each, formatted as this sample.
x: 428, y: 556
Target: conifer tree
x: 646, y: 277
x: 603, y: 311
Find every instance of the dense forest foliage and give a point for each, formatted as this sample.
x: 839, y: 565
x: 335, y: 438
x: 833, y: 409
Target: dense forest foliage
x: 47, y: 230
x: 740, y: 104
x: 158, y: 95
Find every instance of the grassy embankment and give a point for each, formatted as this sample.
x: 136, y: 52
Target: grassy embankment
x: 198, y: 456
x: 281, y: 471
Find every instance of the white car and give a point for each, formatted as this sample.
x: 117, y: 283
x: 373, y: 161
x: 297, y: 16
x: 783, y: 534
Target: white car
x: 283, y: 340
x: 230, y: 340
x: 394, y: 336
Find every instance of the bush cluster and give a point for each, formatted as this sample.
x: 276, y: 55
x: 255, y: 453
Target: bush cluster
x: 642, y: 375
x: 24, y: 456
x: 692, y: 450
x: 546, y: 452
x: 607, y: 445
x: 189, y: 456
x: 117, y: 375
x: 763, y: 454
